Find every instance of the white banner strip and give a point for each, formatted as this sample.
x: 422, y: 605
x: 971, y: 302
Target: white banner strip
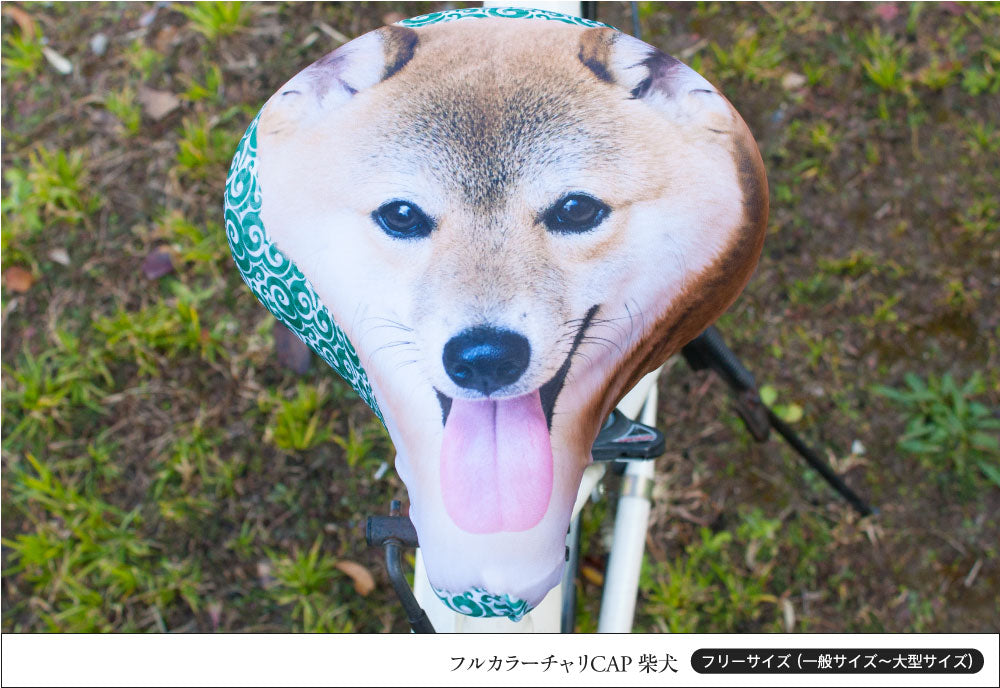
x: 482, y: 660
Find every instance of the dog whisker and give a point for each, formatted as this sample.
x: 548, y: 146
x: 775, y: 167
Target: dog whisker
x: 595, y: 321
x: 392, y: 345
x: 631, y: 320
x: 382, y: 323
x: 603, y: 341
x: 401, y: 346
x: 388, y: 327
x: 390, y: 322
x: 618, y: 330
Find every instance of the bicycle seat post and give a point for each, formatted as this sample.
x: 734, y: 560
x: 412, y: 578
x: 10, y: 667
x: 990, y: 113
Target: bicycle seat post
x: 621, y: 583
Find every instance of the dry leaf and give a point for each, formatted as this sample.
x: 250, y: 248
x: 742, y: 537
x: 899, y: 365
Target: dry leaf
x: 310, y: 39
x: 157, y: 264
x: 158, y: 104
x: 148, y: 18
x: 363, y: 581
x: 60, y: 63
x: 165, y: 38
x: 18, y: 279
x: 792, y: 81
x: 788, y: 612
x: 215, y: 613
x: 292, y: 351
x: 99, y: 44
x: 333, y: 33
x: 60, y: 255
x: 22, y: 18
x: 888, y: 11
x: 265, y: 574
x: 591, y: 574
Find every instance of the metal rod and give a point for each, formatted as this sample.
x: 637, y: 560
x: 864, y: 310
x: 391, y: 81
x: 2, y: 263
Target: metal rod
x: 567, y: 621
x: 394, y: 565
x: 636, y: 28
x: 621, y: 579
x: 709, y: 350
x: 414, y: 612
x: 814, y: 460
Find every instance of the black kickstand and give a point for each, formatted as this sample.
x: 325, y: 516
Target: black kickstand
x: 708, y: 350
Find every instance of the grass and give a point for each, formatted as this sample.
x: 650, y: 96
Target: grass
x: 143, y: 60
x: 22, y: 56
x: 298, y: 423
x: 948, y: 427
x: 205, y: 146
x: 42, y: 392
x: 192, y: 464
x: 162, y: 472
x: 209, y: 89
x: 980, y: 216
x: 747, y: 59
x: 123, y: 105
x: 886, y: 62
x: 982, y: 138
x: 203, y: 247
x: 50, y: 191
x: 719, y: 584
x: 307, y: 582
x: 215, y: 20
x: 96, y: 571
x: 359, y: 445
x: 152, y: 336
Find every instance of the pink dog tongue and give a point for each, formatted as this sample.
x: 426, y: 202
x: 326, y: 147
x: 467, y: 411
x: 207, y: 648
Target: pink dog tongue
x: 496, y: 464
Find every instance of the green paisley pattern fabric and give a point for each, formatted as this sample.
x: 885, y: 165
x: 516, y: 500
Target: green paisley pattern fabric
x: 275, y: 280
x: 502, y: 12
x: 479, y: 603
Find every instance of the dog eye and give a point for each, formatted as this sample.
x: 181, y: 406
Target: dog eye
x: 576, y: 212
x: 402, y: 220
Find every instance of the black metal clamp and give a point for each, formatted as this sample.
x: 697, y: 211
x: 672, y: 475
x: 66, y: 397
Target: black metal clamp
x: 395, y: 532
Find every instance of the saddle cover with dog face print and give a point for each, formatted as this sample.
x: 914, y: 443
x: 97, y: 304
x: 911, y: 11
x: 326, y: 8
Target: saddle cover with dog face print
x: 492, y: 223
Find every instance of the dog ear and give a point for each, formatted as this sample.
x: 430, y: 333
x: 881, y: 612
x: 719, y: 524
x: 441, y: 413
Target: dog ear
x: 336, y: 77
x: 644, y: 73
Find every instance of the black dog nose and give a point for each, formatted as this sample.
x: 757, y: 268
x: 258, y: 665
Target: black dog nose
x: 486, y: 358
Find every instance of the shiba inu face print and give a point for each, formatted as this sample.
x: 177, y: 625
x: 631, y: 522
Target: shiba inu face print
x: 493, y: 227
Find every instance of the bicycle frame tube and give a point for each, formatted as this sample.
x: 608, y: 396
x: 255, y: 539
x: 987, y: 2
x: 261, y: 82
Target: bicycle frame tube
x: 621, y: 582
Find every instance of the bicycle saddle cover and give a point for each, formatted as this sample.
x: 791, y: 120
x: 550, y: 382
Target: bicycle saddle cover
x: 492, y: 223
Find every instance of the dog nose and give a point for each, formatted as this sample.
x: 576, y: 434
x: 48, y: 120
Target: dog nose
x: 486, y: 358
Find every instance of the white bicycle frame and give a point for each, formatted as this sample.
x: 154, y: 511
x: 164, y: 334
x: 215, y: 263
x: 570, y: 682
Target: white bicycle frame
x: 621, y: 580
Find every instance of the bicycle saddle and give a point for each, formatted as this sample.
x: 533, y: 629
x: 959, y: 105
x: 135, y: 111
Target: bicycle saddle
x: 492, y: 223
